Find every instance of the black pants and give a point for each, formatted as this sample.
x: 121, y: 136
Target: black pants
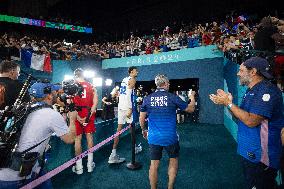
x: 258, y: 175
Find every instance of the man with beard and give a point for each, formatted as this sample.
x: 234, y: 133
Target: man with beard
x: 260, y: 120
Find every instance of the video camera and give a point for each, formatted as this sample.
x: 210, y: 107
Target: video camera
x: 70, y: 89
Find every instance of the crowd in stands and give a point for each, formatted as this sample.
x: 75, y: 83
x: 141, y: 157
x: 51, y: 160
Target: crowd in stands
x: 236, y: 33
x: 232, y: 36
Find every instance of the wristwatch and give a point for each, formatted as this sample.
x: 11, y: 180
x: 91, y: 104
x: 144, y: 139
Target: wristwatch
x: 230, y: 106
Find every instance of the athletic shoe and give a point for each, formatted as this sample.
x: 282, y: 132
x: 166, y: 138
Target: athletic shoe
x: 91, y: 167
x: 115, y: 159
x: 77, y: 171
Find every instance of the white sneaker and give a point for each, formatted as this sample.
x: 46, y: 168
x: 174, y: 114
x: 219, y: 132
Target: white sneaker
x: 115, y: 159
x: 91, y: 167
x: 77, y: 171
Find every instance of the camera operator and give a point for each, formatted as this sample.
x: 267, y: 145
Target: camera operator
x: 87, y: 104
x: 38, y: 127
x: 9, y: 86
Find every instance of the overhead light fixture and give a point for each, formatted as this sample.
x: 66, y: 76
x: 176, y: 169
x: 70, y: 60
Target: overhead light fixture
x: 89, y: 74
x: 98, y: 82
x: 68, y: 77
x: 108, y: 82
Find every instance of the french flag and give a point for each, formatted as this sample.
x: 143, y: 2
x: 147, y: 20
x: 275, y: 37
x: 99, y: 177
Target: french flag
x: 41, y: 62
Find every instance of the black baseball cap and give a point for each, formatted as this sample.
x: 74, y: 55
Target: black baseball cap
x: 260, y: 64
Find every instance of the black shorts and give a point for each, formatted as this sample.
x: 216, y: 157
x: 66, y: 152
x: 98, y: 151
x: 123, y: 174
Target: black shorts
x: 258, y: 175
x: 156, y: 151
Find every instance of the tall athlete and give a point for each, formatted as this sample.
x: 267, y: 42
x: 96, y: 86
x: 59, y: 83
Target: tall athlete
x: 125, y: 114
x: 85, y: 119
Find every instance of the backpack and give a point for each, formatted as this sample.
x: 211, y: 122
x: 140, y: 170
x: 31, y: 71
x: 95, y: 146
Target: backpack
x: 10, y: 131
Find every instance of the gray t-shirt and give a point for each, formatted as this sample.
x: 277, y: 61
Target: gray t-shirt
x: 39, y: 125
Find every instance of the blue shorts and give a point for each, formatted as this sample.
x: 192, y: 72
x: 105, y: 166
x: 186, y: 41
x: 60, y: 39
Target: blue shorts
x: 156, y: 151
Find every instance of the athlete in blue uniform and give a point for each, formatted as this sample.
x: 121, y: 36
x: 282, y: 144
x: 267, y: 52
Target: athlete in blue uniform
x: 260, y: 120
x: 161, y: 108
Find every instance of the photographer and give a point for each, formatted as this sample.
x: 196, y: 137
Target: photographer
x: 38, y: 127
x: 86, y: 105
x: 10, y: 87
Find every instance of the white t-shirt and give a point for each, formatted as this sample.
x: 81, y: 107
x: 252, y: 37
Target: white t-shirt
x: 39, y: 125
x: 125, y: 93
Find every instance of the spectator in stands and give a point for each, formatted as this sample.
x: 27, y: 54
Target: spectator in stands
x: 263, y: 37
x: 206, y: 38
x: 193, y: 40
x: 148, y: 49
x: 133, y: 46
x: 3, y: 48
x: 216, y: 32
x: 278, y: 36
x: 174, y: 43
x: 156, y: 50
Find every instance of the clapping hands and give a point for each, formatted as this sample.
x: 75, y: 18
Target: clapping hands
x: 221, y: 97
